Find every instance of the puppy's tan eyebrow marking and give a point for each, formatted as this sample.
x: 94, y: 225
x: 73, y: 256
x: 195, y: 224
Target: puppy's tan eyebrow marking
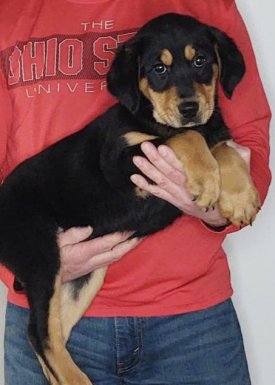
x: 189, y: 52
x: 166, y: 57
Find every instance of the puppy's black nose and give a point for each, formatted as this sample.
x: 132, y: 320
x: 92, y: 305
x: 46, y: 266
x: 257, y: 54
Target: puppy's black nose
x: 189, y: 109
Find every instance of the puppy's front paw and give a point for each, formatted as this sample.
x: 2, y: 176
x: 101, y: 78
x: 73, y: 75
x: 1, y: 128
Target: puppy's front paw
x: 203, y: 183
x: 240, y: 207
x: 199, y: 165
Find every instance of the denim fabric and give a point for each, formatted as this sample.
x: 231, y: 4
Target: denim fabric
x: 198, y: 348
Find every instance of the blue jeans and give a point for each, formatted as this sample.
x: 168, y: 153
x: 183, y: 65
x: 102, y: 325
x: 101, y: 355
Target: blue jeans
x: 198, y: 348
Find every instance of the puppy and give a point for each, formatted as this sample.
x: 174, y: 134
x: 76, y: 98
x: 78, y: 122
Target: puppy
x: 165, y: 81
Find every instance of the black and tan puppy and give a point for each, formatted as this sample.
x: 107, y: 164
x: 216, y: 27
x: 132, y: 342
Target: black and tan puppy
x: 165, y: 81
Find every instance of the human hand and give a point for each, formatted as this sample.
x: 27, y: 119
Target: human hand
x: 80, y: 257
x: 163, y: 167
x: 243, y: 151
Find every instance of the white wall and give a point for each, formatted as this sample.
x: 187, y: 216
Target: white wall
x: 251, y: 251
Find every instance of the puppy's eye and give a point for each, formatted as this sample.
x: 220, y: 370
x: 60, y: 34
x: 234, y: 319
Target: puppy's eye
x: 160, y: 69
x: 199, y: 61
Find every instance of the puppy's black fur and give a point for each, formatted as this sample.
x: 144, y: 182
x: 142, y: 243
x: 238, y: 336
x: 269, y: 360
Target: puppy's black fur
x: 84, y: 179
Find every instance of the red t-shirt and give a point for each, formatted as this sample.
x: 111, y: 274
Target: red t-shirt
x: 54, y: 55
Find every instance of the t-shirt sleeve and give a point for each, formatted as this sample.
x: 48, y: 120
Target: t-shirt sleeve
x: 247, y: 114
x: 5, y: 122
x: 5, y: 128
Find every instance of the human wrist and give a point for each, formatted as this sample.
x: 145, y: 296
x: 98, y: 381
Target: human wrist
x: 214, y: 219
x: 215, y: 227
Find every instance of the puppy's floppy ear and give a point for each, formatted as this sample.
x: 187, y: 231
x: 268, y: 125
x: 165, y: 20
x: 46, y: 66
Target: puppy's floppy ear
x: 123, y: 76
x: 231, y: 61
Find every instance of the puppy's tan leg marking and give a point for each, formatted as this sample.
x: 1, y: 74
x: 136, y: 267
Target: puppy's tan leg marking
x: 239, y: 199
x: 52, y: 380
x: 73, y: 308
x: 134, y: 137
x: 199, y: 165
x: 140, y: 193
x: 58, y: 358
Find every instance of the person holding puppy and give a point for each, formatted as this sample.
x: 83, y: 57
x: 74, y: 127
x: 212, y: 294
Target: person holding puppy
x: 164, y: 314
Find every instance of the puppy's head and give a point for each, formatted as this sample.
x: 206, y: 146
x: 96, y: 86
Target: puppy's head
x: 171, y: 67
